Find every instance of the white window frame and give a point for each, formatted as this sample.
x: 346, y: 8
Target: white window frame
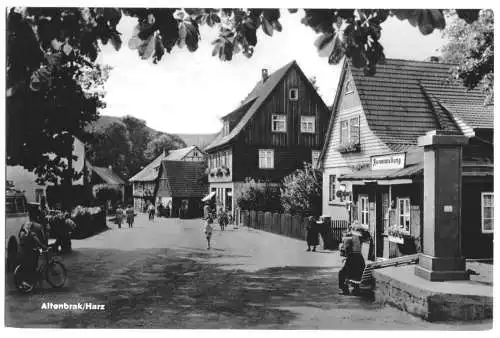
x: 405, y: 216
x: 344, y: 124
x: 276, y: 121
x: 266, y: 158
x: 293, y: 90
x: 308, y: 124
x: 225, y: 127
x: 317, y: 153
x: 364, y: 210
x: 483, y: 195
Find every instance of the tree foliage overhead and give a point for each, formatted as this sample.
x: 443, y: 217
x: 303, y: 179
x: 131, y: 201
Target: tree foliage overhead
x: 471, y: 46
x: 51, y: 55
x: 162, y: 142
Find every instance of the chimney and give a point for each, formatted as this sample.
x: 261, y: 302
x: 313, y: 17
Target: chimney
x: 265, y: 75
x: 434, y: 59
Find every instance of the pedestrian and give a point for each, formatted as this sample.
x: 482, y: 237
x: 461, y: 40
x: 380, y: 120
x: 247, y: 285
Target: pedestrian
x: 208, y: 230
x: 119, y: 216
x: 354, y: 264
x: 312, y: 234
x: 167, y: 210
x: 151, y: 211
x: 130, y: 216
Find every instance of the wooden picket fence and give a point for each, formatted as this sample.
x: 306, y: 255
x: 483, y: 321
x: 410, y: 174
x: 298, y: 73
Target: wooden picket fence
x: 292, y: 226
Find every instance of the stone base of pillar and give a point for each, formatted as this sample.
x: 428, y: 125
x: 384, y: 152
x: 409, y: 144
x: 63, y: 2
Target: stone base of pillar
x: 441, y: 269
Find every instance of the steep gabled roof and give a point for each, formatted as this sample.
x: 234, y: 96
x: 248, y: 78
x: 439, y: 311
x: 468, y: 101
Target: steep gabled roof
x: 184, y: 179
x: 150, y: 172
x: 179, y: 154
x: 106, y: 174
x: 405, y: 99
x: 251, y: 104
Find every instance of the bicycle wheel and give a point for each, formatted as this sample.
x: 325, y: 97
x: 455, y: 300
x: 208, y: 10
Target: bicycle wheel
x: 55, y: 274
x: 21, y: 281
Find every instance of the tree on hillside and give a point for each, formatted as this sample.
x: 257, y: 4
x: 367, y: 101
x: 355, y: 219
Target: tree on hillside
x: 111, y: 147
x: 161, y: 143
x: 47, y: 48
x: 471, y: 46
x: 139, y: 137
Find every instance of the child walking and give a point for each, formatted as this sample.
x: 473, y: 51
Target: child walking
x: 208, y: 230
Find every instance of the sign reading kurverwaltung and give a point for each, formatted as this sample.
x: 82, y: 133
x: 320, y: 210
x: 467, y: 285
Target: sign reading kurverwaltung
x: 387, y: 162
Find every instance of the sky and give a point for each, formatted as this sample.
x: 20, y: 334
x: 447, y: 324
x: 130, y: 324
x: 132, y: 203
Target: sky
x: 189, y: 92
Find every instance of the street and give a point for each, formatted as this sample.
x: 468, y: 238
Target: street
x: 160, y: 275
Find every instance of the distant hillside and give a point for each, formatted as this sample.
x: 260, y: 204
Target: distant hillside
x: 200, y: 140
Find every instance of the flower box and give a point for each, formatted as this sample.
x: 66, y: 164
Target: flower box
x: 394, y: 239
x: 349, y: 148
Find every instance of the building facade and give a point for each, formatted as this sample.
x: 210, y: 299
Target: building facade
x: 144, y: 182
x: 373, y: 167
x: 280, y: 125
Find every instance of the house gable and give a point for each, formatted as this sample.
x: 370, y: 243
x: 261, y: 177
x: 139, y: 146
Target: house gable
x: 348, y: 106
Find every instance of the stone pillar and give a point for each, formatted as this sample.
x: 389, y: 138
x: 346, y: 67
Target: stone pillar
x: 442, y: 255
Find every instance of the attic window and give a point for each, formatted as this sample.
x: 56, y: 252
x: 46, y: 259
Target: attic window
x: 349, y: 88
x: 225, y: 128
x: 293, y: 94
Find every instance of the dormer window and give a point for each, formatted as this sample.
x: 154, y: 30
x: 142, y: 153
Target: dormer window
x: 225, y: 128
x: 349, y: 88
x: 293, y: 94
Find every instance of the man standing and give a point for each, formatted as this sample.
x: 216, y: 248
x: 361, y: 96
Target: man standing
x: 32, y: 236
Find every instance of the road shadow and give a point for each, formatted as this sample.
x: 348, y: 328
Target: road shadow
x: 186, y: 290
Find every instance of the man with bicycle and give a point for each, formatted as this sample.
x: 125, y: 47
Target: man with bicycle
x: 32, y: 237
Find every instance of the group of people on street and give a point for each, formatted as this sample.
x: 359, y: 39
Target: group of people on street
x: 209, y: 217
x: 127, y: 213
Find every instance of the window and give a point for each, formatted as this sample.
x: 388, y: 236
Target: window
x: 344, y: 131
x: 307, y: 124
x: 354, y: 130
x: 349, y: 131
x: 331, y: 190
x: 404, y: 214
x: 225, y: 128
x: 363, y: 209
x: 315, y: 157
x: 349, y: 88
x: 487, y: 209
x: 293, y: 94
x: 266, y: 158
x: 279, y: 123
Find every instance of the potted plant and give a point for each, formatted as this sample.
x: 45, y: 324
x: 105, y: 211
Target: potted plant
x: 398, y: 235
x: 350, y: 147
x: 213, y: 172
x: 219, y: 172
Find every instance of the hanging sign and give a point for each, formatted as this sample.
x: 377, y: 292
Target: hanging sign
x: 388, y: 162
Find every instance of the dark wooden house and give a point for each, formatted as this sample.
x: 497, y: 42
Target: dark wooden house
x: 280, y: 125
x: 371, y: 157
x: 181, y: 185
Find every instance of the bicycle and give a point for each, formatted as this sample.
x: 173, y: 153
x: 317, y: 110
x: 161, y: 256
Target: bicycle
x: 53, y: 271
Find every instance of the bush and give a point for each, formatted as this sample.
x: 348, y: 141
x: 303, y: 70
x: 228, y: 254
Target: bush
x: 104, y: 193
x: 89, y: 221
x: 260, y: 197
x: 301, y: 191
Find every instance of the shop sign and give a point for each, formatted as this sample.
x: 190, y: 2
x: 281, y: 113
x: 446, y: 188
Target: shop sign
x: 388, y: 162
